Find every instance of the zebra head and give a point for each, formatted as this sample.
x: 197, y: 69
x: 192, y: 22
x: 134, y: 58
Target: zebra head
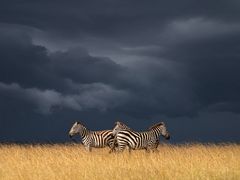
x: 76, y: 129
x: 161, y: 127
x: 119, y: 126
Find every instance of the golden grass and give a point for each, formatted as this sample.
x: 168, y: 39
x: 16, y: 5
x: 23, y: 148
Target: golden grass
x: 192, y: 161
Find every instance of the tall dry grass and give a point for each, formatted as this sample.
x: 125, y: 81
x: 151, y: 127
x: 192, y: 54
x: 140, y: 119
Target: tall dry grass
x: 193, y: 161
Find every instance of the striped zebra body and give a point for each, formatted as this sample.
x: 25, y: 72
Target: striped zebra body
x: 121, y: 126
x: 147, y: 140
x: 96, y: 139
x: 136, y: 140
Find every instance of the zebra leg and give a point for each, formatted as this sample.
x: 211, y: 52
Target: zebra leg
x: 112, y: 149
x: 121, y: 148
x: 112, y: 145
x: 115, y: 148
x: 129, y: 149
x: 88, y: 148
x: 147, y: 149
x: 115, y: 144
x: 155, y: 149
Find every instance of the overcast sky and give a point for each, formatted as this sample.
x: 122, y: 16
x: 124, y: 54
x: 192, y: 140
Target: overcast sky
x: 140, y: 62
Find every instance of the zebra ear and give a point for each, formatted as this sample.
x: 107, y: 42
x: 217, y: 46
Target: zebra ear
x: 78, y: 122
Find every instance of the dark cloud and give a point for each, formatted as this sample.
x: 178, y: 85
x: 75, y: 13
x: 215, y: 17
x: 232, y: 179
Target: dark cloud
x: 104, y: 60
x: 78, y: 65
x: 212, y: 64
x: 71, y: 79
x: 97, y: 96
x: 21, y: 61
x: 111, y: 18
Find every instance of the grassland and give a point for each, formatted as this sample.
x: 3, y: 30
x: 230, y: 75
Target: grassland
x: 68, y: 161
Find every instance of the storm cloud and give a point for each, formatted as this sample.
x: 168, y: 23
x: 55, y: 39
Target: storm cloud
x: 137, y: 61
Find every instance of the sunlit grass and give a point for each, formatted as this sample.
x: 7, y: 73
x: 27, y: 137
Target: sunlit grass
x: 68, y: 161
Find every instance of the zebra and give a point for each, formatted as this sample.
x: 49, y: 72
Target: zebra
x: 147, y: 140
x: 121, y: 126
x: 97, y: 139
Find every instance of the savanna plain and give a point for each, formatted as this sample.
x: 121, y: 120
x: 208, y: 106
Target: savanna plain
x: 72, y: 161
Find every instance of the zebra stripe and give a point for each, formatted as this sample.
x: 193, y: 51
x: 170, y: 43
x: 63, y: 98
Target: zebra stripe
x: 141, y: 140
x: 97, y: 139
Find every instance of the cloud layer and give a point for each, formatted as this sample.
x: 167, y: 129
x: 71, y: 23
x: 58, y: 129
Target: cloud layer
x: 137, y: 61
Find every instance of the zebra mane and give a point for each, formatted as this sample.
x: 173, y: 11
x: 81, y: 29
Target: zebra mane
x: 156, y: 125
x: 121, y: 124
x: 81, y: 124
x: 118, y: 122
